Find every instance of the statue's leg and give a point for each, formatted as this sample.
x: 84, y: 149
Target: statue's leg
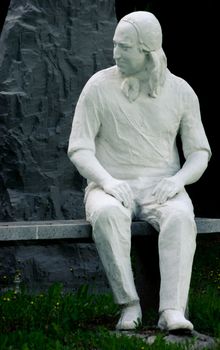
x: 111, y: 223
x: 177, y: 243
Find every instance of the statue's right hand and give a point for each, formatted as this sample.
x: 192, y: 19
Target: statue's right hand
x: 120, y: 190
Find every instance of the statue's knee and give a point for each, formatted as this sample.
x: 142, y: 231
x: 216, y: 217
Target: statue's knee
x: 108, y: 221
x: 184, y: 215
x: 108, y: 214
x: 177, y: 222
x: 180, y: 214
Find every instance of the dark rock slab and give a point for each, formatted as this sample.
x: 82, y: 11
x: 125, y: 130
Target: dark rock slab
x: 194, y: 341
x: 40, y: 265
x: 48, y: 50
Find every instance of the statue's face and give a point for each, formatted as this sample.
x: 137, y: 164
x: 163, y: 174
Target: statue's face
x: 129, y: 58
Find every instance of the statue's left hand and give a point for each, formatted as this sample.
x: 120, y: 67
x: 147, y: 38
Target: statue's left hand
x: 167, y: 188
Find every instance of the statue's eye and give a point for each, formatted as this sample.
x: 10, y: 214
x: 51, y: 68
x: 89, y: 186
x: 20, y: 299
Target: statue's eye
x: 121, y: 46
x: 124, y: 47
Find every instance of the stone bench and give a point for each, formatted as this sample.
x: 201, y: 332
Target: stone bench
x: 62, y: 251
x: 80, y: 229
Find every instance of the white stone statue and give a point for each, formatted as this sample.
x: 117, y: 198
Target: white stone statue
x: 123, y: 141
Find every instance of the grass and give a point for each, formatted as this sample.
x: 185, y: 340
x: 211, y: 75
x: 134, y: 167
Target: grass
x: 204, y: 301
x: 81, y: 321
x: 54, y: 320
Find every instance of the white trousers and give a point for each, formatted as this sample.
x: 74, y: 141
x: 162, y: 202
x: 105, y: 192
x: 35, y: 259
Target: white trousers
x: 174, y: 220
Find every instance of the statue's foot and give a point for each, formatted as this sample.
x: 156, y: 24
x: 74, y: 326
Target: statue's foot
x: 131, y: 316
x: 172, y: 320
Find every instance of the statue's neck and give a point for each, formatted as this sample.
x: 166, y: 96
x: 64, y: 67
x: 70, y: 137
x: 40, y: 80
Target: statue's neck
x: 133, y: 85
x: 142, y: 76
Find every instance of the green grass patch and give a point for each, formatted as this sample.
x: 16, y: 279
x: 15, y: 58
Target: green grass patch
x: 58, y: 321
x: 55, y: 320
x: 204, y: 301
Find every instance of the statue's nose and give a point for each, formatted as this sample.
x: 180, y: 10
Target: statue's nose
x: 117, y: 52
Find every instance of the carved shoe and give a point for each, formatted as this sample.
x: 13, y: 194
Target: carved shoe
x: 172, y: 320
x: 131, y: 316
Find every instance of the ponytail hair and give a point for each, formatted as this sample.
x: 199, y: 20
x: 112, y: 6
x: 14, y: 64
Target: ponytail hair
x: 157, y: 65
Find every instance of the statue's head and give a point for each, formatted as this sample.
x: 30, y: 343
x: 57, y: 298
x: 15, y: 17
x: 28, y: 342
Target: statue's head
x: 138, y: 45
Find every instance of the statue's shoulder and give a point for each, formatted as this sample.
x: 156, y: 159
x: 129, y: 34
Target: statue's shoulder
x: 102, y: 77
x: 99, y: 85
x: 180, y: 85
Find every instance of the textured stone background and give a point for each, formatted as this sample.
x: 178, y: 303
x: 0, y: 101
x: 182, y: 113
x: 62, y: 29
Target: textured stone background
x: 49, y: 49
x: 42, y: 264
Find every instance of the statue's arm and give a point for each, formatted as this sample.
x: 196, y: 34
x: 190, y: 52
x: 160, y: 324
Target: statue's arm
x: 90, y: 168
x: 192, y: 170
x: 86, y: 126
x: 196, y: 149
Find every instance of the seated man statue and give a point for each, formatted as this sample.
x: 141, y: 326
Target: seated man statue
x: 123, y: 141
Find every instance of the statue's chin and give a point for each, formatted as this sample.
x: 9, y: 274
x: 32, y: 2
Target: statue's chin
x: 124, y: 72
